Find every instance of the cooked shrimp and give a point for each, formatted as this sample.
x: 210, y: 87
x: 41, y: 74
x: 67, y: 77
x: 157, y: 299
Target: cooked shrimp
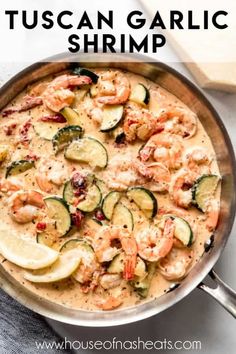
x: 114, y: 87
x: 165, y: 148
x: 121, y: 173
x: 181, y: 188
x: 38, y: 90
x: 156, y: 174
x: 51, y: 173
x: 87, y: 267
x: 178, y: 121
x: 154, y: 243
x: 93, y: 283
x: 212, y: 213
x: 176, y: 264
x: 110, y: 281
x: 109, y: 303
x: 10, y: 186
x: 24, y: 205
x: 198, y: 160
x: 105, y: 252
x: 58, y: 93
x: 139, y: 123
x: 95, y: 114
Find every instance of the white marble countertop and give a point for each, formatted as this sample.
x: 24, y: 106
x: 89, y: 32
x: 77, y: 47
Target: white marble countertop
x: 197, y: 317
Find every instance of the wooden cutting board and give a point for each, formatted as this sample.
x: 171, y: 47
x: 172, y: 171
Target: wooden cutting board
x: 192, y: 46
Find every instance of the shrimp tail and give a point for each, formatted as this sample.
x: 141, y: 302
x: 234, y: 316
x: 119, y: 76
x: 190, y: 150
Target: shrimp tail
x: 129, y: 268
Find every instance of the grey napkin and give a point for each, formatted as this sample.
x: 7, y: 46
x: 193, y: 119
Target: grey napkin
x: 20, y: 328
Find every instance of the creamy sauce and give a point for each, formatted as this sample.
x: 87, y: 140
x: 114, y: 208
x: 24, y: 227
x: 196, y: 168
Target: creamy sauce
x: 68, y: 292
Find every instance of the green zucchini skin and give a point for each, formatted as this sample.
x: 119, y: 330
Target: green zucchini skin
x: 65, y: 135
x: 71, y: 116
x: 206, y: 183
x: 183, y: 230
x: 123, y: 217
x: 17, y: 167
x: 109, y: 202
x: 100, y: 155
x: 74, y: 243
x: 44, y: 239
x: 88, y: 205
x: 145, y: 192
x: 85, y: 72
x: 140, y: 94
x: 68, y: 194
x: 142, y: 286
x: 112, y: 117
x: 64, y: 220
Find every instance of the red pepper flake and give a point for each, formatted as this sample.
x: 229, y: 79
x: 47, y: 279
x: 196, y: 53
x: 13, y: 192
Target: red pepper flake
x: 57, y: 118
x: 41, y: 226
x: 77, y: 218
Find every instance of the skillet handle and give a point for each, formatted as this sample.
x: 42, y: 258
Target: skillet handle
x: 222, y: 293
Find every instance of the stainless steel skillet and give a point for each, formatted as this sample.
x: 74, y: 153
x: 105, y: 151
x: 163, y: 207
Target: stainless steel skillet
x: 177, y: 84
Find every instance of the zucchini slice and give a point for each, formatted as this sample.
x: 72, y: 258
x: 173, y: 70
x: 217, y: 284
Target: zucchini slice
x: 86, y: 253
x: 68, y: 192
x: 46, y: 239
x: 46, y: 130
x: 92, y: 199
x: 142, y: 285
x: 123, y: 217
x: 72, y: 116
x: 58, y: 210
x: 75, y: 243
x: 82, y: 71
x: 66, y: 135
x: 144, y: 199
x: 88, y: 150
x: 117, y: 266
x: 111, y: 117
x: 183, y: 231
x: 19, y: 166
x: 140, y: 94
x: 109, y: 202
x: 204, y: 190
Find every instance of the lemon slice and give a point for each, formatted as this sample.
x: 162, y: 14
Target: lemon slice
x: 65, y: 265
x: 25, y: 253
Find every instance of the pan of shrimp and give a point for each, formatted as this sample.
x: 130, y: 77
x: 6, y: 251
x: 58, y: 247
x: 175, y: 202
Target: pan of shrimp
x: 117, y: 186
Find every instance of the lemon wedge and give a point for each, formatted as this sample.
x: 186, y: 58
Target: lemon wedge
x: 65, y: 265
x: 25, y: 253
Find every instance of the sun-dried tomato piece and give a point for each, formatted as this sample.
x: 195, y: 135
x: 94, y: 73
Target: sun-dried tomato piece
x: 57, y: 118
x: 77, y: 218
